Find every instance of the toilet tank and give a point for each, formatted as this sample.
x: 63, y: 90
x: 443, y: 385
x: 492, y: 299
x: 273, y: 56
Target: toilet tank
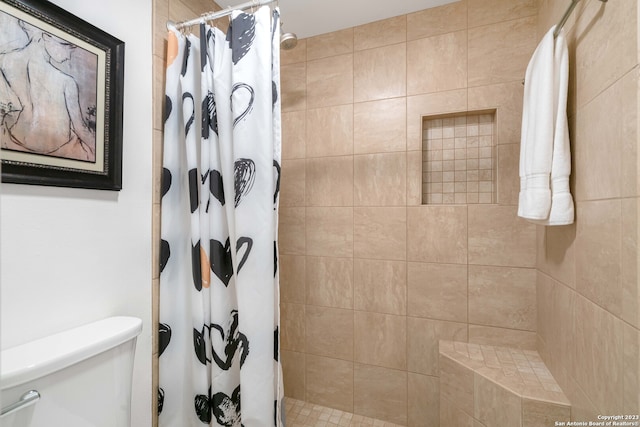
x: 83, y: 377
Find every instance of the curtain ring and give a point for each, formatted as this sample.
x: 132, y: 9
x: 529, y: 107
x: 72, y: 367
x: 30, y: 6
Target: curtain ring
x: 202, y: 19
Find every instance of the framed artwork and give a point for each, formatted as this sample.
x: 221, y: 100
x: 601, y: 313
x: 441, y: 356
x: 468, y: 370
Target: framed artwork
x: 61, y: 92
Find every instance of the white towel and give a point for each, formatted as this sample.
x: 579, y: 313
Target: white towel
x: 545, y: 154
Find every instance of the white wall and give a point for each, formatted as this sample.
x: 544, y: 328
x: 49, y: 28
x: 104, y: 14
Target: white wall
x: 71, y: 256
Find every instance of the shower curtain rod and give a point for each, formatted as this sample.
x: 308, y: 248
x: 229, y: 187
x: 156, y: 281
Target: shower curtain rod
x: 215, y: 15
x: 566, y: 15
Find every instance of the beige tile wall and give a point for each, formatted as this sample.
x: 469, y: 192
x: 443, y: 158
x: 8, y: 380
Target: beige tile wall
x: 588, y: 292
x: 604, y: 183
x: 372, y: 279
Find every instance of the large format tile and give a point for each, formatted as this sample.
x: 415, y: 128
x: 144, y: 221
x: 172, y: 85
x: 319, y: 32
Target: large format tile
x: 422, y: 342
x: 599, y: 373
x: 556, y: 320
x: 292, y: 183
x: 380, y: 126
x: 494, y: 406
x: 155, y: 316
x: 380, y: 233
x: 293, y: 330
x: 550, y: 12
x: 159, y: 84
x: 380, y: 286
x: 503, y: 297
x: 293, y: 87
x: 630, y: 134
x: 506, y: 99
x: 437, y: 291
x: 179, y: 11
x: 330, y: 44
x: 158, y: 143
x: 607, y: 170
x: 419, y: 106
x: 443, y: 68
x: 155, y: 369
x: 438, y: 20
x: 630, y: 283
x: 380, y: 73
x: 541, y: 414
x: 380, y: 393
x: 501, y: 337
x: 598, y: 253
x: 292, y: 278
x: 381, y: 340
x: 540, y: 247
x: 438, y: 234
x: 631, y: 369
x: 160, y: 18
x: 380, y: 33
x: 451, y: 415
x: 329, y: 332
x: 291, y: 231
x: 200, y: 7
x: 498, y: 237
x: 329, y: 181
x: 292, y: 56
x: 414, y: 178
x: 559, y: 256
x: 484, y: 12
x: 330, y: 81
x: 582, y: 408
x: 329, y: 282
x: 607, y: 46
x: 499, y: 53
x: 424, y: 401
x: 293, y: 372
x: 508, y: 174
x: 329, y: 382
x: 597, y: 173
x: 329, y: 131
x: 294, y: 133
x: 456, y: 384
x: 156, y: 225
x: 380, y: 179
x: 329, y: 231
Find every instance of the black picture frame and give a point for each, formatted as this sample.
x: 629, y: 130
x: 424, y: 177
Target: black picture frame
x: 22, y: 164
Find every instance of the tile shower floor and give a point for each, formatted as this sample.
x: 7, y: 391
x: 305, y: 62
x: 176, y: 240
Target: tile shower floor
x: 303, y: 414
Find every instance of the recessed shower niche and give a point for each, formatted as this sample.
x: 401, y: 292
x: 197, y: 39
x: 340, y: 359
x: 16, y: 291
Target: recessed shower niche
x: 459, y: 158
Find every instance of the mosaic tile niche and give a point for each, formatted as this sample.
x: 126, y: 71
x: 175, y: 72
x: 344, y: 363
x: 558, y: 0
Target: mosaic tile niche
x: 459, y: 158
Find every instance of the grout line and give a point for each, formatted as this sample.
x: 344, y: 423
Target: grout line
x: 353, y: 221
x: 406, y: 213
x: 467, y: 208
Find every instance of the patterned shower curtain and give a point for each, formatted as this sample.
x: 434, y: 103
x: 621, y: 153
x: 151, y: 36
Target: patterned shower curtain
x: 219, y: 302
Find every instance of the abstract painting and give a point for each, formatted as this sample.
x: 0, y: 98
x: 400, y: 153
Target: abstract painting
x: 60, y: 98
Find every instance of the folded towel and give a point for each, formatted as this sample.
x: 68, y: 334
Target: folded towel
x: 545, y: 155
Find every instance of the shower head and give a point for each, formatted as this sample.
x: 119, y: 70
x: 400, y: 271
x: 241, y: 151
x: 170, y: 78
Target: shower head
x: 287, y: 40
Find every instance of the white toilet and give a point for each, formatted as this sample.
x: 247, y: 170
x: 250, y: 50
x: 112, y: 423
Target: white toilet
x: 77, y: 378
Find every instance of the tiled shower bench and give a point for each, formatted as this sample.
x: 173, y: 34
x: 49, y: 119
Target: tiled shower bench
x: 488, y: 386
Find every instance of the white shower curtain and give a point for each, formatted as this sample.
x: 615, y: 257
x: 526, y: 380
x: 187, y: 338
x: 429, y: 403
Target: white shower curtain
x: 219, y: 303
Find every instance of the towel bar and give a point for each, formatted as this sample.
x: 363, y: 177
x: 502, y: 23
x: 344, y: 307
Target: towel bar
x: 566, y: 15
